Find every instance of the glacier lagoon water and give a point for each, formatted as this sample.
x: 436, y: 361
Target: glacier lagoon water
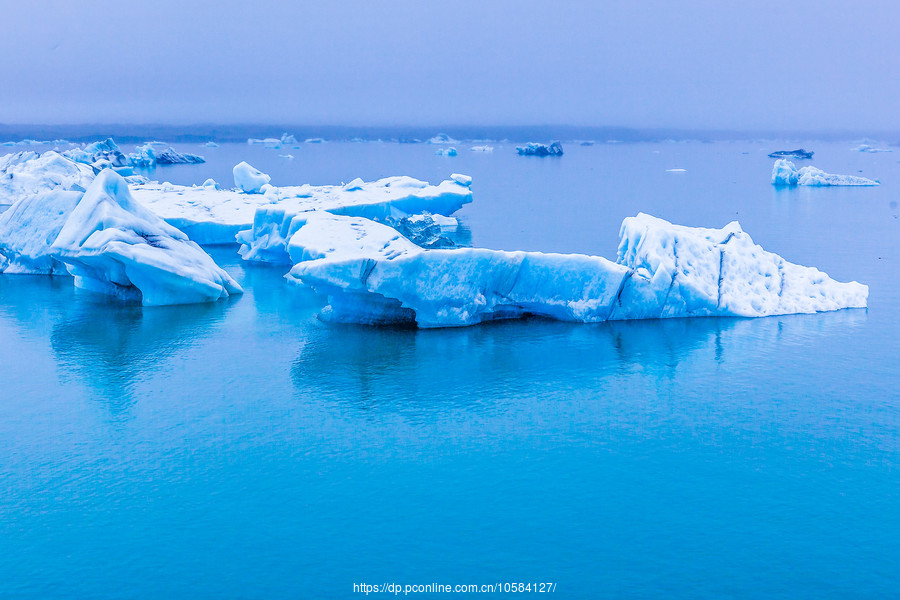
x: 244, y: 449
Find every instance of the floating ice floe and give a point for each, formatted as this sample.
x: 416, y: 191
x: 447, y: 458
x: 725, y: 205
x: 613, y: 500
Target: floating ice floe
x: 314, y: 141
x: 871, y: 150
x: 535, y: 149
x: 211, y: 144
x: 27, y: 173
x: 446, y: 152
x: 676, y: 170
x: 482, y: 149
x: 273, y: 224
x: 798, y: 153
x: 111, y: 244
x: 785, y: 173
x: 372, y: 275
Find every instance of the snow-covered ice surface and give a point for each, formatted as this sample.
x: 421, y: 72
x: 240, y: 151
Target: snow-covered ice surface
x: 27, y: 173
x: 785, y: 173
x: 372, y: 275
x: 111, y: 244
x: 273, y: 224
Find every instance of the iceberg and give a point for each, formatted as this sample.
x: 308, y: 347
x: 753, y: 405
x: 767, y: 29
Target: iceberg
x: 249, y: 179
x: 169, y: 156
x: 27, y: 173
x: 273, y: 224
x: 798, y: 153
x: 274, y: 143
x: 446, y: 152
x: 211, y: 144
x: 426, y: 230
x: 871, y: 150
x: 442, y: 138
x: 535, y: 149
x: 314, y: 141
x: 372, y: 275
x: 785, y: 173
x: 106, y: 151
x: 481, y: 149
x: 288, y: 139
x: 110, y: 244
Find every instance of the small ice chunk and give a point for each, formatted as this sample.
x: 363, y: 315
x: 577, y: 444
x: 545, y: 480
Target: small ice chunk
x: 446, y: 152
x: 249, y: 179
x: 211, y: 183
x: 461, y: 179
x: 481, y: 149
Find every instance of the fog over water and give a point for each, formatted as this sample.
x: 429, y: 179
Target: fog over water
x: 799, y: 66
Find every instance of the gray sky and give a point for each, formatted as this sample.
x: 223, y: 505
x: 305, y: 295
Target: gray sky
x: 743, y: 65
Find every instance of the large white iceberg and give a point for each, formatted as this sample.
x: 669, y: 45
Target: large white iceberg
x: 785, y: 173
x: 663, y: 270
x: 111, y: 244
x: 27, y: 173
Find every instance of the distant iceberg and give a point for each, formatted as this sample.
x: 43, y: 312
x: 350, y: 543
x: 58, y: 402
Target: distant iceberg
x: 482, y: 149
x: 316, y: 140
x: 798, y: 153
x: 785, y: 173
x: 871, y: 149
x: 106, y: 151
x: 169, y: 156
x: 372, y: 275
x: 446, y: 152
x: 110, y: 244
x: 535, y: 149
x: 274, y: 143
x: 442, y: 138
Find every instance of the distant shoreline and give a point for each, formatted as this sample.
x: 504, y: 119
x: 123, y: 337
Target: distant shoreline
x: 411, y: 134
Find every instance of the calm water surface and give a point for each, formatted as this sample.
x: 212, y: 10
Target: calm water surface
x: 244, y: 449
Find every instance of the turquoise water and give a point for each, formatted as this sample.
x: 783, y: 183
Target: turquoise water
x: 246, y: 450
